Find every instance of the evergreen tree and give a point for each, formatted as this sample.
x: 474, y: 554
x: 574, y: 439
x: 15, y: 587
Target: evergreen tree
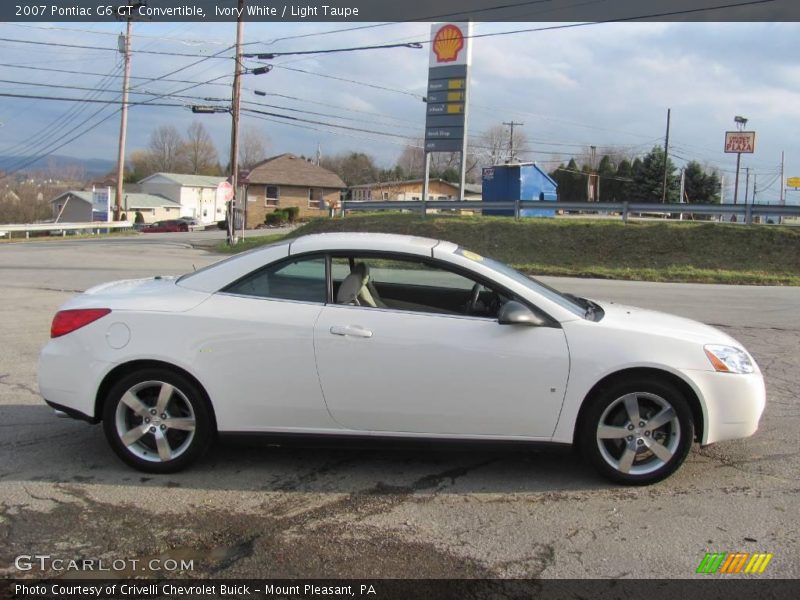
x: 700, y: 187
x: 649, y: 178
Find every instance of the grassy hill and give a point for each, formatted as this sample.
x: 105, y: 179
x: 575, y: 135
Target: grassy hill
x: 648, y: 251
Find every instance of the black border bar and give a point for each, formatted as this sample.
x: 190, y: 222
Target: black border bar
x: 710, y: 587
x: 277, y: 11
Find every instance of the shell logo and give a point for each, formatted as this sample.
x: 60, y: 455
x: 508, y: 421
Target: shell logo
x: 447, y: 43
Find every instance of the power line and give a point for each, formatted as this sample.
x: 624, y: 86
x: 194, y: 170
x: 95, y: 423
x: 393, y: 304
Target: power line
x: 52, y: 128
x: 69, y: 141
x: 314, y: 122
x: 184, y: 41
x: 271, y: 55
x: 106, y: 49
x: 353, y: 81
x: 95, y: 101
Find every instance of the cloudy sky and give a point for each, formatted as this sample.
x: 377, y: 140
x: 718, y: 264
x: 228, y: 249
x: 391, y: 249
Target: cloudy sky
x: 607, y: 85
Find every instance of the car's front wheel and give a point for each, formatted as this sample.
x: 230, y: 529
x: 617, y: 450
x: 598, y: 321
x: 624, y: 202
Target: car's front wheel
x: 637, y: 432
x: 157, y: 420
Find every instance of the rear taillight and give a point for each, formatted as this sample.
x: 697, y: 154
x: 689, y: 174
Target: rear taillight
x: 67, y: 321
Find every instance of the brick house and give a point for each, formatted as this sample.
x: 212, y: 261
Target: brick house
x: 288, y: 180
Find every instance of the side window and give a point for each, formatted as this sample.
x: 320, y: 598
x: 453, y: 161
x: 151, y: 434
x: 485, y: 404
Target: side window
x: 271, y: 194
x: 409, y: 284
x: 302, y: 280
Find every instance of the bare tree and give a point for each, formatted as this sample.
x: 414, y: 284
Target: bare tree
x: 354, y: 168
x: 201, y: 155
x: 167, y: 150
x: 412, y: 162
x: 494, y: 146
x: 253, y: 147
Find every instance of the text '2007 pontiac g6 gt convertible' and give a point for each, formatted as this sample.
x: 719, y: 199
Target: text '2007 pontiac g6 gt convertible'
x: 390, y: 336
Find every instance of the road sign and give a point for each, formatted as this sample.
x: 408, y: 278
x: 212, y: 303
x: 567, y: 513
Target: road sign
x: 793, y: 182
x: 101, y: 205
x: 740, y: 142
x: 448, y: 82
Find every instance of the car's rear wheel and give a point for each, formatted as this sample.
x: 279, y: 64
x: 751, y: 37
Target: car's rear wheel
x: 637, y: 432
x: 157, y: 421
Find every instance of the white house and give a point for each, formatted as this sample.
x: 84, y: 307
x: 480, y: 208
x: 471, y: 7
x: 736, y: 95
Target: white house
x: 197, y: 194
x: 77, y: 207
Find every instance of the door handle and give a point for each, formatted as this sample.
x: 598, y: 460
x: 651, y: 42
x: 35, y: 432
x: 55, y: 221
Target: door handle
x: 351, y: 330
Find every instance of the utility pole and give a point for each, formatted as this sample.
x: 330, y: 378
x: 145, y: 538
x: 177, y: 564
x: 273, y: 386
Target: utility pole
x: 666, y: 158
x: 783, y: 178
x: 746, y: 184
x: 125, y: 48
x: 683, y: 186
x: 741, y: 123
x: 511, y: 124
x: 235, y: 113
x: 755, y: 187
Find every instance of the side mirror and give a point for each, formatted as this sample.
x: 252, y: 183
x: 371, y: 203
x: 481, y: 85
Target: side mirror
x: 515, y: 313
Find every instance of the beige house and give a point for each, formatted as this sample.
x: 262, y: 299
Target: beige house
x: 77, y: 207
x: 196, y: 194
x: 287, y: 180
x: 438, y: 189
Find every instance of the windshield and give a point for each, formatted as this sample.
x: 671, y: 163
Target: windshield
x: 535, y: 285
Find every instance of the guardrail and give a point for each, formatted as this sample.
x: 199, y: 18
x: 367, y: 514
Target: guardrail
x: 625, y: 209
x: 61, y: 228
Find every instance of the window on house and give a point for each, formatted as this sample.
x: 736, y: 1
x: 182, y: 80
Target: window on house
x: 271, y: 195
x: 315, y: 197
x: 385, y: 195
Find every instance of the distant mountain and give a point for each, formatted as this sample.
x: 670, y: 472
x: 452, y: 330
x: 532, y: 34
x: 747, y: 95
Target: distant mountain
x: 56, y: 165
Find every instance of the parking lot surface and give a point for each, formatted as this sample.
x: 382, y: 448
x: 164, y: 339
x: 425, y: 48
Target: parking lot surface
x: 252, y: 510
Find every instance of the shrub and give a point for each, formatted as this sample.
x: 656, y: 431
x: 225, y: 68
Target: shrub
x: 292, y: 212
x: 276, y: 217
x: 139, y: 218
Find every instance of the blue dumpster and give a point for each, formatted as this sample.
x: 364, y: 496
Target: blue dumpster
x: 518, y: 181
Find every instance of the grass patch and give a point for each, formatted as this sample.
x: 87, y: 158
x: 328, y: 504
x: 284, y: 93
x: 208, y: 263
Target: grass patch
x: 645, y: 251
x: 248, y: 243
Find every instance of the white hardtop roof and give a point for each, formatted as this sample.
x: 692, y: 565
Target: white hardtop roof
x: 377, y: 242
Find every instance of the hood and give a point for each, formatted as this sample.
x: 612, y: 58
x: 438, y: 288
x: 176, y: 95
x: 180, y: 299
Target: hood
x: 631, y: 318
x: 151, y: 294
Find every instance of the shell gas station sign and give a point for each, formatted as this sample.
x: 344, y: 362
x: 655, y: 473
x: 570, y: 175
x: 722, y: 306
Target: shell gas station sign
x: 448, y: 85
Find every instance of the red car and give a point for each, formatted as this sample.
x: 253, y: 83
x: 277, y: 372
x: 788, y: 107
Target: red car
x: 173, y: 225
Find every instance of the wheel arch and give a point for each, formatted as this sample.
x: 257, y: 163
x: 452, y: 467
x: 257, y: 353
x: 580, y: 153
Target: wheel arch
x: 679, y: 382
x: 127, y: 368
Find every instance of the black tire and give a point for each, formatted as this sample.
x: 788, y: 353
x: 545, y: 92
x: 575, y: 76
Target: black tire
x: 148, y: 430
x: 611, y: 454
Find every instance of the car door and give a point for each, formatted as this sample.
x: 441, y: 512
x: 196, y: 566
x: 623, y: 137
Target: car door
x: 414, y: 362
x: 257, y: 351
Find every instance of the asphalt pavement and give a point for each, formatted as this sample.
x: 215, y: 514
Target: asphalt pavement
x: 249, y: 509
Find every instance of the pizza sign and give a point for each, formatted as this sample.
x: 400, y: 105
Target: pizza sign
x: 740, y: 142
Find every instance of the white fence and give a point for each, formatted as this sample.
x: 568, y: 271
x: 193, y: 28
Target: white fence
x: 7, y: 231
x: 744, y: 213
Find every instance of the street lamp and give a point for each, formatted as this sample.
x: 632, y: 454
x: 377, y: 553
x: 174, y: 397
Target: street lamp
x: 741, y: 122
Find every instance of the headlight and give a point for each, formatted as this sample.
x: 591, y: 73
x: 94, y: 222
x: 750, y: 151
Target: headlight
x: 728, y: 359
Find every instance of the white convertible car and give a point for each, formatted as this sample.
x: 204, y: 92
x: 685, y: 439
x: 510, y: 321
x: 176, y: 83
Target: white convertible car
x: 392, y: 336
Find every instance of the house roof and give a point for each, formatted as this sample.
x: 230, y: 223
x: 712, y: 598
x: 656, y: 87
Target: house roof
x: 79, y: 194
x: 187, y: 179
x: 137, y: 200
x: 288, y: 169
x: 131, y: 201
